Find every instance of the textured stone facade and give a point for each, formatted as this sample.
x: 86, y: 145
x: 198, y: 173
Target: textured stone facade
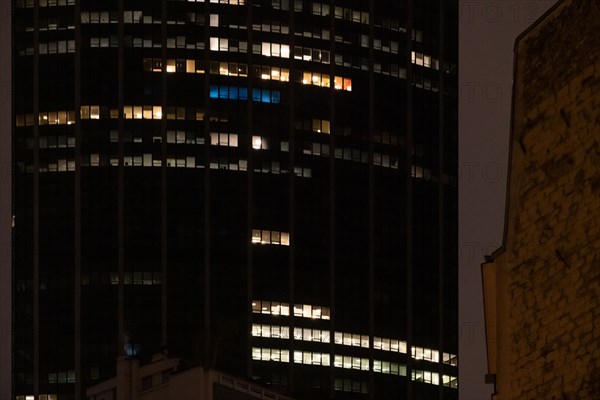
x: 542, y: 288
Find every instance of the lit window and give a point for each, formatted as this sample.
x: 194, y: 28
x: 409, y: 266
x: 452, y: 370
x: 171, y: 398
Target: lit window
x: 223, y: 44
x: 171, y: 66
x: 214, y: 44
x: 128, y: 112
x: 190, y: 66
x: 285, y: 75
x: 95, y: 112
x: 224, y: 68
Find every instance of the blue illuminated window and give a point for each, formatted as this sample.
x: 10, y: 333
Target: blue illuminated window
x: 223, y: 92
x: 132, y: 349
x: 266, y: 96
x: 275, y: 97
x: 241, y: 93
x: 214, y: 91
x: 255, y: 94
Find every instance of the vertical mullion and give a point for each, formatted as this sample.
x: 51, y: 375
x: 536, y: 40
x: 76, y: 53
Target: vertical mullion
x: 36, y: 203
x: 249, y: 190
x: 164, y: 181
x: 332, y: 231
x: 206, y: 244
x: 77, y: 227
x: 291, y: 194
x: 440, y: 188
x: 409, y: 200
x: 371, y: 200
x: 120, y: 185
x: 8, y: 207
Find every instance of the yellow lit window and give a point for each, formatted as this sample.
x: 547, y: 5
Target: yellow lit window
x: 275, y: 73
x: 339, y: 82
x: 95, y: 112
x: 170, y: 66
x: 259, y: 143
x: 265, y: 72
x: 285, y: 75
x: 265, y: 237
x: 128, y: 112
x: 157, y: 112
x: 316, y: 79
x: 223, y: 68
x: 256, y: 236
x: 306, y: 78
x: 137, y: 112
x: 275, y: 237
x: 85, y: 113
x: 147, y: 112
x: 52, y: 118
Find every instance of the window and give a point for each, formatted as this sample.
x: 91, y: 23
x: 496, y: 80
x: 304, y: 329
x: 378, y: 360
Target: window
x: 310, y: 54
x: 321, y: 126
x: 224, y: 139
x: 270, y: 237
x: 241, y: 93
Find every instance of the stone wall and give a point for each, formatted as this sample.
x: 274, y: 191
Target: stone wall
x: 551, y: 254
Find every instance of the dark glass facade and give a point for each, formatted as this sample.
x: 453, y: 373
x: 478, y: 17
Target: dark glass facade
x: 264, y: 187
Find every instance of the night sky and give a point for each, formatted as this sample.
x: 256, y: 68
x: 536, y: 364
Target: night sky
x: 487, y: 33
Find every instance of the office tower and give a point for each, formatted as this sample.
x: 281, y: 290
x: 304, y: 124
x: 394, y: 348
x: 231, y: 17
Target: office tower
x: 267, y: 188
x: 541, y: 287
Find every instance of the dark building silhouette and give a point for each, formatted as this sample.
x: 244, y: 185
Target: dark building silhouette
x: 267, y: 188
x: 173, y: 378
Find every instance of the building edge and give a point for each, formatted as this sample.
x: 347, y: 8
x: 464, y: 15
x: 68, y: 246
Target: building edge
x: 6, y: 219
x: 494, y: 273
x: 491, y: 265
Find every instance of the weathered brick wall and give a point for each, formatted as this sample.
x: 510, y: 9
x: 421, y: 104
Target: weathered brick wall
x: 552, y: 243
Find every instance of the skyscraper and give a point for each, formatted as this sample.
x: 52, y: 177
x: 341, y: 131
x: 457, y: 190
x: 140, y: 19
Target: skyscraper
x: 265, y: 187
